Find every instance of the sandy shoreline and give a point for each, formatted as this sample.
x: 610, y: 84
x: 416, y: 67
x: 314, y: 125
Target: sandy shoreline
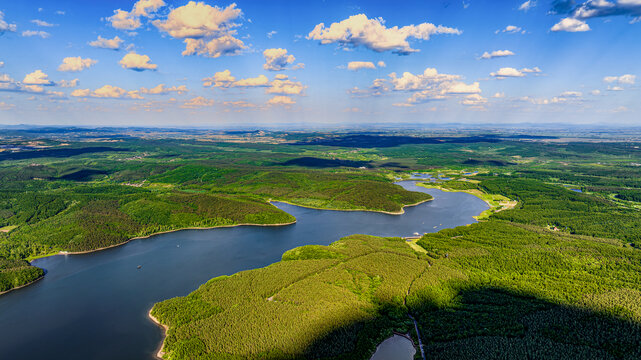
x: 159, y: 353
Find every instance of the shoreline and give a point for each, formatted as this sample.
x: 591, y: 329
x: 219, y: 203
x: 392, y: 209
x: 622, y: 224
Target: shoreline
x: 160, y: 233
x: 25, y: 285
x: 159, y: 354
x: 401, y: 212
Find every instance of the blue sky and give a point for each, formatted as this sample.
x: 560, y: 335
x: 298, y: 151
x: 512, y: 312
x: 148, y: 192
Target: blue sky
x: 211, y: 63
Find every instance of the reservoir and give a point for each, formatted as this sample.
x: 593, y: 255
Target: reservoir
x: 94, y: 306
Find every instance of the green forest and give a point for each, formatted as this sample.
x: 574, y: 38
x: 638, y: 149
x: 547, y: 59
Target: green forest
x: 555, y: 277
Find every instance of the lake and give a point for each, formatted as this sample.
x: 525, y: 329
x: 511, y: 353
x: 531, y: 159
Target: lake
x: 94, y: 306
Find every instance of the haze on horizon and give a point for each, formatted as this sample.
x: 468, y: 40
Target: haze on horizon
x: 211, y: 63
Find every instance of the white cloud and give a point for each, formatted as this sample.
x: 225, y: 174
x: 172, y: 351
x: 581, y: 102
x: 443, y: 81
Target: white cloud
x: 615, y: 88
x: 4, y: 26
x: 499, y: 95
x: 107, y: 92
x: 357, y: 65
x: 60, y: 12
x: 30, y: 33
x: 260, y: 80
x: 1, y: 64
x: 473, y: 100
x: 42, y: 23
x: 507, y: 72
x: 531, y: 70
x: 282, y: 101
x: 285, y: 87
x: 197, y: 102
x: 378, y: 88
x: 271, y: 33
x: 37, y: 78
x: 68, y: 83
x: 462, y: 88
x: 75, y: 64
x: 527, y: 5
x: 81, y: 93
x: 496, y: 53
x: 206, y: 30
x: 571, y: 25
x: 358, y: 30
x: 627, y: 79
x: 130, y: 20
x: 277, y: 59
x: 430, y: 85
x: 511, y: 29
x: 220, y: 79
x: 381, y: 64
x: 224, y: 79
x: 162, y: 89
x: 104, y: 43
x: 137, y: 62
x: 595, y: 92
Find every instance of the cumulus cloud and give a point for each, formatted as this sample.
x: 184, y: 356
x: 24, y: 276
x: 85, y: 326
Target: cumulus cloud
x: 378, y: 88
x: 496, y: 53
x: 577, y: 14
x: 260, y: 80
x: 67, y: 83
x: 473, y: 100
x: 381, y: 64
x: 206, y: 30
x: 511, y: 29
x: 197, y: 102
x: 75, y: 64
x: 37, y: 78
x: 108, y: 92
x: 571, y: 25
x: 281, y: 100
x: 104, y: 43
x: 224, y: 79
x: 4, y: 26
x: 130, y: 20
x: 137, y: 62
x: 161, y: 89
x: 527, y: 5
x: 285, y: 87
x: 509, y: 72
x: 498, y: 95
x: 358, y: 30
x: 277, y: 59
x: 357, y: 65
x: 627, y: 79
x: 424, y: 87
x: 30, y: 33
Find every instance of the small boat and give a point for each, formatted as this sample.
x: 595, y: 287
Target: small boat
x: 139, y: 266
x: 416, y: 234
